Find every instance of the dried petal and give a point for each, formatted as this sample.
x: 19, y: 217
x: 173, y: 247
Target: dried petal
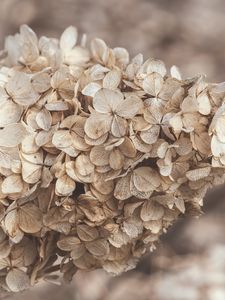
x: 151, y: 211
x: 145, y: 179
x: 97, y: 125
x: 91, y: 89
x: 30, y: 218
x: 99, y: 156
x: 106, y: 101
x: 98, y: 247
x: 150, y: 135
x: 12, y: 184
x: 68, y: 243
x: 17, y: 280
x: 112, y: 79
x: 129, y: 107
x: 68, y: 38
x: 122, y: 189
x: 87, y: 233
x: 65, y: 185
x: 152, y: 84
x: 20, y: 89
x: 10, y: 112
x: 44, y: 119
x: 156, y: 66
x: 198, y: 174
x: 12, y: 135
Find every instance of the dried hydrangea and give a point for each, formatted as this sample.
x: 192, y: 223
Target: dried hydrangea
x: 99, y: 155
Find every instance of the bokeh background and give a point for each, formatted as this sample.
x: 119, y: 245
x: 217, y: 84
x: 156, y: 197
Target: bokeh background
x: 190, y: 261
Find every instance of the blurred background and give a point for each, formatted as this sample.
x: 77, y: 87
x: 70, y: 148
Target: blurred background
x: 190, y: 261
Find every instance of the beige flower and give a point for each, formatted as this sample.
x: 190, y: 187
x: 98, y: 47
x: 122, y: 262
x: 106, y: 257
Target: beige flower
x: 99, y: 155
x: 110, y: 114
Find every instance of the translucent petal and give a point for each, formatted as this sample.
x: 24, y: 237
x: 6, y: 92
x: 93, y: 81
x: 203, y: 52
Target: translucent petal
x: 106, y: 101
x: 68, y: 38
x: 97, y: 125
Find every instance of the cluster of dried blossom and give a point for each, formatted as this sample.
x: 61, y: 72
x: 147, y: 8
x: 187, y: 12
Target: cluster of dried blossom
x: 99, y: 155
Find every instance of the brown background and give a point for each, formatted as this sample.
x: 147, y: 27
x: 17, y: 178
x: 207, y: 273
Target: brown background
x: 190, y: 34
x: 187, y: 33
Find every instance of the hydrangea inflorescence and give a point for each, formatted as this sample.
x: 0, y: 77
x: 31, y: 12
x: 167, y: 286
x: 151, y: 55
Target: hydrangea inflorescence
x: 99, y: 155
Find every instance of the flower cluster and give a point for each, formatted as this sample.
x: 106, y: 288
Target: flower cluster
x: 99, y: 155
